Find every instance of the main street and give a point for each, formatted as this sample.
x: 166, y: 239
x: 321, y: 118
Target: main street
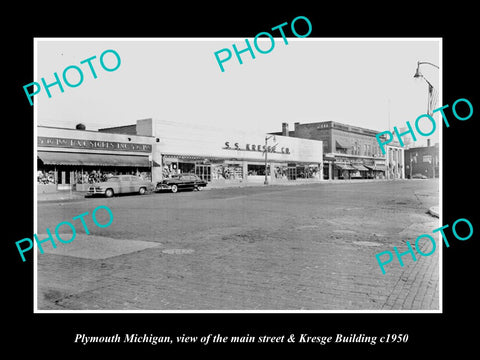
x: 302, y: 247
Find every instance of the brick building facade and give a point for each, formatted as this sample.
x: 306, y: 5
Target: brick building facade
x: 422, y: 161
x: 349, y: 151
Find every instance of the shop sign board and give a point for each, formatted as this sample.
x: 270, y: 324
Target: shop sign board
x: 254, y: 147
x: 43, y: 141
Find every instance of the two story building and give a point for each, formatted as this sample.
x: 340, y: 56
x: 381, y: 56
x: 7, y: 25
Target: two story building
x: 350, y: 151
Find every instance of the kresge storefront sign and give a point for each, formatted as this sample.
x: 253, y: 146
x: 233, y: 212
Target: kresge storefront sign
x: 92, y: 144
x: 254, y: 147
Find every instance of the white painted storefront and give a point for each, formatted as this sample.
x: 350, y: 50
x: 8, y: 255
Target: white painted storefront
x: 155, y: 149
x: 226, y: 155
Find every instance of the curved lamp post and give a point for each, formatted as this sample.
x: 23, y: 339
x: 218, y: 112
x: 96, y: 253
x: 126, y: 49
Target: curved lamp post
x: 417, y: 75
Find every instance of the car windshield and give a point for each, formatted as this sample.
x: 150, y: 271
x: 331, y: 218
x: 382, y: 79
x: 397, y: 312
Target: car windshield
x: 113, y: 179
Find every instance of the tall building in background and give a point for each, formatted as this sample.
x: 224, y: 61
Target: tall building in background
x: 350, y: 152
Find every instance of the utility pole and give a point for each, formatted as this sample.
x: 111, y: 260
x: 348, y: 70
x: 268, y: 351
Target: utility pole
x: 265, y: 150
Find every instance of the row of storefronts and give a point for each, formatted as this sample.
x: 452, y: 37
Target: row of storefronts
x: 350, y: 152
x: 154, y: 150
x: 337, y: 166
x: 73, y: 158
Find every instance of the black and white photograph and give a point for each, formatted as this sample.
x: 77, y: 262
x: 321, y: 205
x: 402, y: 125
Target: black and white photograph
x: 292, y: 180
x: 252, y: 188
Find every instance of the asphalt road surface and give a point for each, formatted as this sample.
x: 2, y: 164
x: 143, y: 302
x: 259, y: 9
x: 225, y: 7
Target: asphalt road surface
x: 302, y: 247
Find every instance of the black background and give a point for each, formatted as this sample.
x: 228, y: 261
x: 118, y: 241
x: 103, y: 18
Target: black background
x: 50, y: 334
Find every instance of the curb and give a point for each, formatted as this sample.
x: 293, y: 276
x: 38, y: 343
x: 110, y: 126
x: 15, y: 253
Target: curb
x: 76, y: 195
x: 59, y: 197
x: 434, y: 211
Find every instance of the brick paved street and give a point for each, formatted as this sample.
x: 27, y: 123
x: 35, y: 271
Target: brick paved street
x: 305, y: 247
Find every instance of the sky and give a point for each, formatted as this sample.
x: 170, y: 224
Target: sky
x: 367, y: 83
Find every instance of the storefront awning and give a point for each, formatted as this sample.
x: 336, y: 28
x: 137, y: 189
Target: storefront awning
x: 377, y: 167
x: 339, y: 145
x: 66, y: 158
x: 345, y: 167
x: 360, y: 167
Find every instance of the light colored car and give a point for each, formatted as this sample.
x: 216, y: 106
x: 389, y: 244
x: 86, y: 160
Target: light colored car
x: 120, y: 184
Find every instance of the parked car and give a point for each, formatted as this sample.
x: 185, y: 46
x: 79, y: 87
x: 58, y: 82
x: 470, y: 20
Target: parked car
x: 419, y: 176
x: 120, y: 184
x: 180, y: 182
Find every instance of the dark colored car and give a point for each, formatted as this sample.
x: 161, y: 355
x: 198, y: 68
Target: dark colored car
x: 181, y: 182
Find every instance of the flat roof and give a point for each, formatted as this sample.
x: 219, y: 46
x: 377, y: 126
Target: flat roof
x: 92, y: 131
x: 351, y: 127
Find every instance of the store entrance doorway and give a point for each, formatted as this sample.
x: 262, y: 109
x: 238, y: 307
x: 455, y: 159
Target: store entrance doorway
x: 292, y: 173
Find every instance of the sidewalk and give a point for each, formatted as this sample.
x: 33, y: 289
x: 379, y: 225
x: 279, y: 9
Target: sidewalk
x: 295, y: 182
x: 75, y: 195
x: 61, y: 196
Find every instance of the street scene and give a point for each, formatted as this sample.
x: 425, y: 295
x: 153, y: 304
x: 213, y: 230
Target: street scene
x: 277, y: 247
x: 269, y: 186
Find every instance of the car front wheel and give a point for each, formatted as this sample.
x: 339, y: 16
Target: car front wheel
x: 109, y: 193
x: 142, y: 191
x: 174, y: 188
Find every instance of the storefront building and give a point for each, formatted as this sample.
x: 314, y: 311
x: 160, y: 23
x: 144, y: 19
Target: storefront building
x: 423, y: 160
x: 73, y: 158
x: 395, y: 159
x: 229, y: 156
x: 350, y: 152
x: 155, y: 149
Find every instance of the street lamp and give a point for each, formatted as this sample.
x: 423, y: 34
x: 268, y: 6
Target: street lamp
x: 418, y: 74
x: 431, y: 95
x: 266, y: 140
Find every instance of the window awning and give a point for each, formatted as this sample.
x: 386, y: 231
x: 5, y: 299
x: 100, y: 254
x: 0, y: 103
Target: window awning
x: 339, y: 145
x: 377, y: 167
x: 345, y: 167
x: 67, y: 158
x: 360, y: 167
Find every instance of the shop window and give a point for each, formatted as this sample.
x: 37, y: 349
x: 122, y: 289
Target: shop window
x: 281, y: 172
x: 256, y: 170
x: 227, y: 172
x: 46, y: 177
x: 427, y: 159
x: 88, y: 175
x: 307, y: 172
x: 186, y: 168
x: 325, y: 146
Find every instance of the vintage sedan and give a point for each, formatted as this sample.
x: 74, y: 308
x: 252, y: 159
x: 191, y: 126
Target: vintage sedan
x: 419, y: 176
x: 180, y: 182
x: 120, y: 184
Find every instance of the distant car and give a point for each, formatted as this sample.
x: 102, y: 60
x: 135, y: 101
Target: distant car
x: 180, y: 182
x: 419, y: 176
x: 120, y: 184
